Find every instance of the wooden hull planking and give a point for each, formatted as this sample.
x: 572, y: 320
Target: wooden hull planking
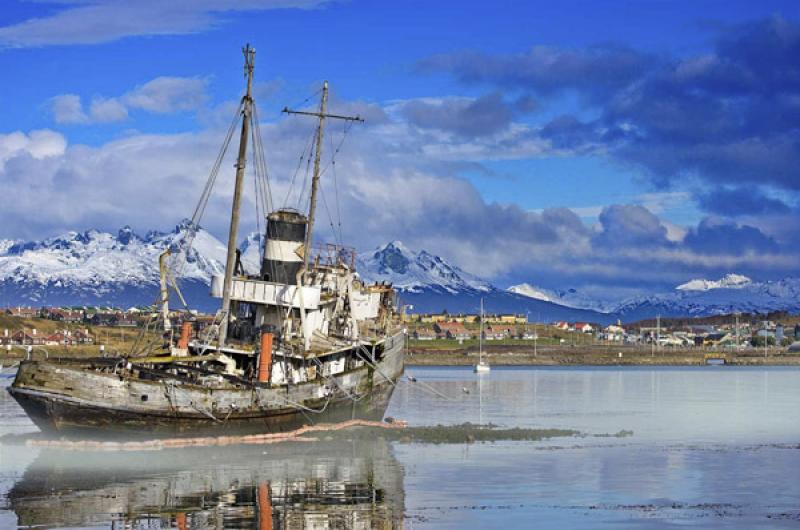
x: 65, y: 398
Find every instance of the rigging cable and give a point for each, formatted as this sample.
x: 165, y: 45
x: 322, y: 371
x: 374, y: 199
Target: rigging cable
x: 186, y: 241
x: 266, y: 187
x: 336, y: 185
x: 307, y: 148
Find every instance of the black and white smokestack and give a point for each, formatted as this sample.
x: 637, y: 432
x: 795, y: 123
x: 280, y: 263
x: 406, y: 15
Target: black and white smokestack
x: 286, y: 233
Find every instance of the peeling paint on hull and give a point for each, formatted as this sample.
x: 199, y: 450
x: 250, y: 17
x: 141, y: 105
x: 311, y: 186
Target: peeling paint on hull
x: 64, y: 398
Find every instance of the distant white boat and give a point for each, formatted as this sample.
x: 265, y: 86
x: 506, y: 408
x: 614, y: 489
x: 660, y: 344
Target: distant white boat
x: 482, y: 367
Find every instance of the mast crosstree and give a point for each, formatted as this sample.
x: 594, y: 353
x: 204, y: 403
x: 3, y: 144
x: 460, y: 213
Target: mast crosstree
x: 321, y: 115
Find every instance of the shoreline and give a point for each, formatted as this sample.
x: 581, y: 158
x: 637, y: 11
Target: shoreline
x: 560, y: 356
x: 595, y: 356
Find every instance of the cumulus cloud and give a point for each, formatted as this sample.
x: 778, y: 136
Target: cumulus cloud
x: 483, y: 116
x: 720, y: 117
x: 547, y: 69
x: 107, y: 110
x: 67, y: 108
x: 722, y: 121
x: 738, y: 202
x: 39, y: 144
x: 161, y: 95
x: 168, y: 94
x: 715, y: 237
x: 387, y: 186
x: 630, y: 225
x: 98, y: 21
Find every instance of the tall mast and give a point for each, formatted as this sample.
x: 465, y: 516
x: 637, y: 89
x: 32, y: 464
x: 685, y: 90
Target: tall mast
x: 230, y: 262
x: 312, y: 207
x: 321, y: 115
x: 480, y: 336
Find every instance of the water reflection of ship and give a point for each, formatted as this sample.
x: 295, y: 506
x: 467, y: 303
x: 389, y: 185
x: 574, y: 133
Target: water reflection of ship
x: 332, y: 485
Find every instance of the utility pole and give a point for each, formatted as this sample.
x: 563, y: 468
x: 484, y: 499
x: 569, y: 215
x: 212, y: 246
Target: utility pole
x: 230, y: 262
x: 321, y: 115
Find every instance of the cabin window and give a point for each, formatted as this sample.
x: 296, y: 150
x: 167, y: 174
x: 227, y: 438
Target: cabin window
x: 144, y: 397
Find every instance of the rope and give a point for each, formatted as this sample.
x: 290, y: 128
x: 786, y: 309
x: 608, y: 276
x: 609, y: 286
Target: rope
x: 430, y: 388
x: 266, y: 188
x: 185, y: 244
x: 336, y: 190
x: 300, y: 201
x: 328, y: 212
x: 207, y: 413
x: 308, y: 147
x: 303, y: 407
x: 347, y: 127
x: 373, y: 365
x: 349, y: 394
x: 263, y: 190
x: 332, y: 165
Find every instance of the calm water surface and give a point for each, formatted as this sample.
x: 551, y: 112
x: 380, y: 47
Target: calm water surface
x: 711, y: 448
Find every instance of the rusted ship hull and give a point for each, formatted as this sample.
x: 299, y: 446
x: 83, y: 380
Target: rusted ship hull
x: 66, y: 397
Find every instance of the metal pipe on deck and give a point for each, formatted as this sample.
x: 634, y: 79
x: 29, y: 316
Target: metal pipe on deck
x: 265, y: 358
x: 186, y: 333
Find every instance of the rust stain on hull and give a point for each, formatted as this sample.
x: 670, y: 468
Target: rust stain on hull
x: 69, y: 398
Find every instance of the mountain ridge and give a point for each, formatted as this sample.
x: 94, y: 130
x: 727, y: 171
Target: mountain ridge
x: 105, y: 268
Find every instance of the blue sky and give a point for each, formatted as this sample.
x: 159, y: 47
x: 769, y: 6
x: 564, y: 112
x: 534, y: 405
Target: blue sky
x: 614, y: 146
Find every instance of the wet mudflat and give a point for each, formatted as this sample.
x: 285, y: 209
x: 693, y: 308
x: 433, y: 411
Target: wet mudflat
x: 569, y: 447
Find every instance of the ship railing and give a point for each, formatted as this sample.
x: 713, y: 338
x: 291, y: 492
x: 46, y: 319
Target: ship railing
x: 332, y: 255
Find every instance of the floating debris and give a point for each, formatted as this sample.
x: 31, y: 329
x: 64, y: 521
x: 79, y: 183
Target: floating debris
x: 167, y: 443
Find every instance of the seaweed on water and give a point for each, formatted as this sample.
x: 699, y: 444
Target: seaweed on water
x: 462, y: 433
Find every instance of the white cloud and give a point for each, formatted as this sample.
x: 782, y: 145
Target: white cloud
x: 392, y: 182
x: 38, y: 144
x: 161, y: 95
x: 107, y: 110
x: 168, y: 94
x: 67, y: 108
x: 98, y: 21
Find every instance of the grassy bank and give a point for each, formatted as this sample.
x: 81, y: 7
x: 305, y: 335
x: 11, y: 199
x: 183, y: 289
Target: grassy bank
x: 115, y: 340
x: 512, y: 353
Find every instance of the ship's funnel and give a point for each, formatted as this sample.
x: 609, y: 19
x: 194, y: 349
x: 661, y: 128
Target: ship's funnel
x: 283, y: 255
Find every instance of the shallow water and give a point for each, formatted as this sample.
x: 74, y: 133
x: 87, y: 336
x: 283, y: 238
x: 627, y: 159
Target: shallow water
x: 711, y: 447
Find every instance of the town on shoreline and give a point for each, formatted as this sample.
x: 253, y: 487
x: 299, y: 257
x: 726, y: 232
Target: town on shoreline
x: 452, y: 339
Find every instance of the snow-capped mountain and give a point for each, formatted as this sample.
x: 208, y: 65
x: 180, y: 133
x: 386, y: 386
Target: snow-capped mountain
x: 569, y: 297
x: 729, y: 294
x: 95, y: 267
x: 250, y: 250
x: 415, y: 272
x: 121, y: 269
x: 729, y: 281
x: 430, y: 284
x: 101, y: 268
x: 698, y: 297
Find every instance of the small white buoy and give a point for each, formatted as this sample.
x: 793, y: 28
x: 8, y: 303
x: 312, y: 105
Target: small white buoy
x: 465, y: 390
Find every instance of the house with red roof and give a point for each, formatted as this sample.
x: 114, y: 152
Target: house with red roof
x: 451, y: 330
x: 424, y: 334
